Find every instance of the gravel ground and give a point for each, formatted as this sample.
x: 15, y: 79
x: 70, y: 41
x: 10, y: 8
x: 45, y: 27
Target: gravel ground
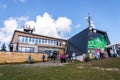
x: 46, y: 64
x: 40, y: 64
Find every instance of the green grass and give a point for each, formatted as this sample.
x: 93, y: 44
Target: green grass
x: 106, y: 63
x: 67, y: 72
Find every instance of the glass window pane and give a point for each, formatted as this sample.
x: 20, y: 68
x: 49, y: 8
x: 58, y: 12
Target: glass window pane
x: 31, y: 49
x: 34, y: 40
x: 29, y: 39
x: 23, y: 39
x: 39, y: 41
x: 23, y: 49
x: 19, y: 49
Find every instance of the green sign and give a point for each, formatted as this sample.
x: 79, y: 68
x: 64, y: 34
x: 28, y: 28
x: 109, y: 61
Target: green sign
x: 97, y: 42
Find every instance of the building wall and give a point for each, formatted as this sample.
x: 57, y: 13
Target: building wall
x: 97, y: 42
x: 80, y: 41
x: 88, y: 41
x: 18, y: 44
x: 13, y: 57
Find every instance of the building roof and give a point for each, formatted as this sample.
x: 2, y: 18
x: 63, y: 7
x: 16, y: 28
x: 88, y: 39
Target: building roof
x: 35, y: 35
x: 80, y: 40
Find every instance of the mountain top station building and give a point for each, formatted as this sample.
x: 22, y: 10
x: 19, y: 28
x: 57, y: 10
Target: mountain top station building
x: 89, y: 41
x: 32, y: 43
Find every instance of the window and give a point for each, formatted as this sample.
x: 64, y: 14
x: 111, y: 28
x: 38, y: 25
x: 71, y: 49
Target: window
x: 31, y: 49
x: 48, y: 41
x: 29, y: 39
x: 45, y: 41
x: 42, y: 41
x: 20, y: 38
x: 60, y: 44
x: 34, y: 40
x: 39, y: 41
x: 57, y: 43
x: 25, y: 49
x: 25, y: 38
x: 19, y: 49
x: 51, y: 42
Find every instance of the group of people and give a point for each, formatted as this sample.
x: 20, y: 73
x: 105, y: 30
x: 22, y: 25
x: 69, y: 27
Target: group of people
x: 66, y: 57
x: 97, y: 55
x: 63, y: 58
x: 53, y: 57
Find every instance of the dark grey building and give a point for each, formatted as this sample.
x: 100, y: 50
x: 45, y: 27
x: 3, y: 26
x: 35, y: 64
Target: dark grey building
x: 89, y: 41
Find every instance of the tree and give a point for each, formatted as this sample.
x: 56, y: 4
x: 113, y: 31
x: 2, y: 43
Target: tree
x: 3, y: 48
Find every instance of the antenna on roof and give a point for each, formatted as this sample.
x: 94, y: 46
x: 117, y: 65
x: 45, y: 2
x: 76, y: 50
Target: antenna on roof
x: 90, y: 23
x: 27, y: 28
x: 89, y: 20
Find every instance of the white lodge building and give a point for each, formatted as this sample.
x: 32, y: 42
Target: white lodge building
x: 33, y: 43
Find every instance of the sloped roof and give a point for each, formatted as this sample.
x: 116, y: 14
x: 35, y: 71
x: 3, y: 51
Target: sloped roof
x: 80, y: 40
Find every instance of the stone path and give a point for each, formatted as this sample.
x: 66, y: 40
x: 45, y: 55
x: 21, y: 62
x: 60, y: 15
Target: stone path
x: 38, y: 64
x: 46, y: 64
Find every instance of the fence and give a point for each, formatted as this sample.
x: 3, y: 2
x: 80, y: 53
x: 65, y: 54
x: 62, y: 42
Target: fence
x: 16, y: 57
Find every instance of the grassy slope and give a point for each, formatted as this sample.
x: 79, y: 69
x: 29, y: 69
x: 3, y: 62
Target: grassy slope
x: 67, y: 72
x: 107, y: 63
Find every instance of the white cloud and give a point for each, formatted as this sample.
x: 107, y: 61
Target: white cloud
x: 63, y: 24
x: 6, y: 32
x: 11, y: 24
x: 44, y: 25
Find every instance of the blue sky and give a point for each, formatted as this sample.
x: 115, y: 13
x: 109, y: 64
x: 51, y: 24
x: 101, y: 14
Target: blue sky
x: 105, y: 15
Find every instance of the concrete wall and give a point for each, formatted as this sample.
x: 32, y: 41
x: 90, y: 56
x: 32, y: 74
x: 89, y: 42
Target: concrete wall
x: 12, y: 57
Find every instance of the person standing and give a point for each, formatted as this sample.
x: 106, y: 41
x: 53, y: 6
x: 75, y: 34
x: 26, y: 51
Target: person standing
x: 63, y: 58
x: 69, y: 58
x: 30, y: 60
x: 54, y: 57
x: 98, y: 55
x: 111, y: 53
x: 43, y: 58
